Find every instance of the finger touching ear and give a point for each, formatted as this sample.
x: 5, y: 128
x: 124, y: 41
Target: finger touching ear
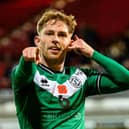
x: 76, y: 37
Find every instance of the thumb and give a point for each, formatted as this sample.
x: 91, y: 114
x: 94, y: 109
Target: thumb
x: 37, y: 56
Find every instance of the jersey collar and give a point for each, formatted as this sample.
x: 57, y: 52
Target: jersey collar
x: 49, y: 70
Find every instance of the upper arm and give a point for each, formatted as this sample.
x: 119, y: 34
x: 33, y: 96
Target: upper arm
x: 103, y: 84
x: 108, y: 85
x: 19, y: 79
x: 92, y: 84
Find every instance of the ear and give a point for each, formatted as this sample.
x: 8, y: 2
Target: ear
x: 37, y: 40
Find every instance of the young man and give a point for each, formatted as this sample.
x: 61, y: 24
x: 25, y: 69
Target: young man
x: 49, y: 95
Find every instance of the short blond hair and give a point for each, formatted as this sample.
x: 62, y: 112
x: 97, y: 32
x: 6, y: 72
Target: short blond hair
x: 50, y: 14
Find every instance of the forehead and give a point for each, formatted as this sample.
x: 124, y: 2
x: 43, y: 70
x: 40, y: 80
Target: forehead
x: 58, y: 24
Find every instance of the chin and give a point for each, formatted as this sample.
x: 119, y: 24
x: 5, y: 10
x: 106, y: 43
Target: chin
x: 54, y: 57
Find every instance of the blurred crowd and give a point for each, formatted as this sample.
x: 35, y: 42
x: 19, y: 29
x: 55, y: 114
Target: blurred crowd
x: 11, y: 46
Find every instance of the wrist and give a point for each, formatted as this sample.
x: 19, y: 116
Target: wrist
x: 91, y: 53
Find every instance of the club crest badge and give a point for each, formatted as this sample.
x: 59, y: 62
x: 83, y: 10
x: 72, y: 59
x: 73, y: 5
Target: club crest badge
x: 75, y: 82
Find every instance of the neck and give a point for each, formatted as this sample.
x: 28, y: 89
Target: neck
x: 54, y: 65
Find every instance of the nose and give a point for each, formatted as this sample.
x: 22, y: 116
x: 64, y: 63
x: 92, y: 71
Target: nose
x: 55, y: 39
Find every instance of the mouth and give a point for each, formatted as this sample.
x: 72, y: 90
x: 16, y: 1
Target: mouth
x: 54, y: 49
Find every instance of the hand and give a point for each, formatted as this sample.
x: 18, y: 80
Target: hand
x: 32, y: 54
x: 81, y: 47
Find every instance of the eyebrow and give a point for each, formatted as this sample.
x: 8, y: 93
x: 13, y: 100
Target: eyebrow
x: 61, y: 32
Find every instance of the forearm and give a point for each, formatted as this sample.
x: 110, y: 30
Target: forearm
x: 117, y: 72
x: 24, y: 67
x: 106, y: 85
x: 22, y: 71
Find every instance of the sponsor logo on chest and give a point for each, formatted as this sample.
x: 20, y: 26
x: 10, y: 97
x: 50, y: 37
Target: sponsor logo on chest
x: 67, y: 88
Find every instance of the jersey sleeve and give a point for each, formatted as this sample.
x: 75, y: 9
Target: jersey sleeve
x: 21, y: 74
x: 108, y: 85
x: 114, y: 79
x: 92, y: 86
x: 117, y: 73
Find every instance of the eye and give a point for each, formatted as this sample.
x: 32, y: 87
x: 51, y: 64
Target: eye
x: 49, y: 33
x: 62, y: 34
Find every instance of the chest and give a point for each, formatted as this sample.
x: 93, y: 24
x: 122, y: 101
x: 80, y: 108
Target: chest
x: 61, y: 84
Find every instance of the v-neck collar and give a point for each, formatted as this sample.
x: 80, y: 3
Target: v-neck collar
x: 49, y: 70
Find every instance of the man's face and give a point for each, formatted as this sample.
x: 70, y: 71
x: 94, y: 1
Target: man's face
x: 54, y: 40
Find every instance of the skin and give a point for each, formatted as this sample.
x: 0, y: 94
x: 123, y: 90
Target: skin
x: 52, y: 43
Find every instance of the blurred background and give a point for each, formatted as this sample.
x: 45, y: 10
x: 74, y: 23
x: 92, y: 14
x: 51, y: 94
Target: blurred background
x: 104, y: 24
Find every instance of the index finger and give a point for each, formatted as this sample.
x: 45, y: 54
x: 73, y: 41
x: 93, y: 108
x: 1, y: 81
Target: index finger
x: 76, y: 37
x: 37, y: 55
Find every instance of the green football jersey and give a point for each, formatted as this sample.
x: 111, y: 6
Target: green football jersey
x: 46, y: 99
x: 51, y: 100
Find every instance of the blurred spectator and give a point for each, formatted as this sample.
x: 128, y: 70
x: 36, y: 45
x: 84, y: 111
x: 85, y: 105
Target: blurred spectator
x: 126, y: 63
x: 6, y: 66
x: 90, y: 35
x: 60, y: 4
x: 2, y: 32
x: 117, y: 49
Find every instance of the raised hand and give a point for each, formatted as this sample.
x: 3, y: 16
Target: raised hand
x: 81, y: 47
x: 32, y: 54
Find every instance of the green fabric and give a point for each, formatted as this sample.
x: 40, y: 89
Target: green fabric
x: 118, y: 73
x: 116, y: 77
x: 37, y: 108
x: 40, y: 103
